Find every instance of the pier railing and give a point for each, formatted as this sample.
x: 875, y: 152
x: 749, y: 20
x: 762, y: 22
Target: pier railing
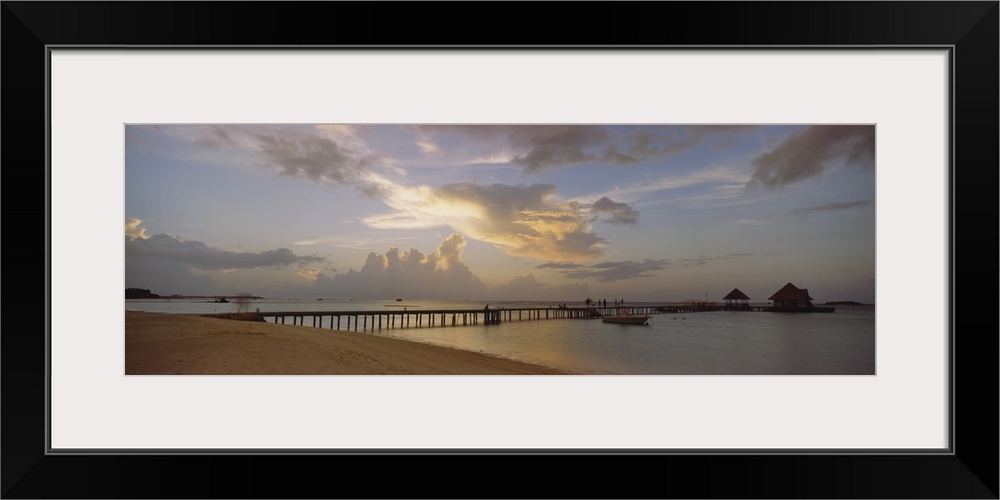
x: 418, y: 318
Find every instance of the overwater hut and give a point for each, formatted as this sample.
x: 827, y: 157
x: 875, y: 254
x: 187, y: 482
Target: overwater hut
x: 793, y: 299
x: 791, y: 296
x: 737, y: 301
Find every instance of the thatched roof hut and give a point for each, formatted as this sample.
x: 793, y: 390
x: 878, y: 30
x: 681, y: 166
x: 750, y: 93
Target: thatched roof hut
x: 737, y: 301
x: 791, y: 296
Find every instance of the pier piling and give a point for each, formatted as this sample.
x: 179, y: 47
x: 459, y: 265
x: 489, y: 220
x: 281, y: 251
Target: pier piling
x: 458, y: 317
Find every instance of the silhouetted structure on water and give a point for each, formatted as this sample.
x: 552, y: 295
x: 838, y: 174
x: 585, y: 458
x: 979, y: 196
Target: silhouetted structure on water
x: 793, y: 299
x: 737, y: 301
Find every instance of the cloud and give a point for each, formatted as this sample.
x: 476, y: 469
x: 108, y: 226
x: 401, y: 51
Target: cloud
x: 615, y: 271
x: 450, y: 251
x: 335, y: 155
x: 133, y: 231
x: 621, y: 213
x: 428, y: 147
x: 308, y: 273
x: 555, y: 146
x: 316, y: 158
x: 213, y: 136
x: 665, y: 141
x: 834, y: 206
x: 532, y: 146
x: 536, y: 147
x: 612, y: 155
x: 727, y: 182
x: 808, y: 152
x: 524, y: 220
x: 560, y: 265
x: 313, y: 241
x: 198, y: 254
x: 348, y: 136
x: 166, y: 278
x: 608, y: 271
x: 698, y: 261
x: 440, y: 275
x: 528, y: 287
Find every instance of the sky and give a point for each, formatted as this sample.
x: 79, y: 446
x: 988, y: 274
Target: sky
x: 650, y: 213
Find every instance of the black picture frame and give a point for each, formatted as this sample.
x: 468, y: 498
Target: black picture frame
x: 970, y: 29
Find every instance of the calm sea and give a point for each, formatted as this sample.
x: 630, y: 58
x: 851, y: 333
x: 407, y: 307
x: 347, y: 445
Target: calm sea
x: 702, y: 343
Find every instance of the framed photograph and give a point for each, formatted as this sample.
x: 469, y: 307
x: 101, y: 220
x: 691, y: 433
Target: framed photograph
x: 518, y: 224
x: 210, y: 159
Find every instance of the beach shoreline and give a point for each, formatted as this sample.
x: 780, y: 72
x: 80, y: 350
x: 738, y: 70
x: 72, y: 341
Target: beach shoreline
x: 195, y: 344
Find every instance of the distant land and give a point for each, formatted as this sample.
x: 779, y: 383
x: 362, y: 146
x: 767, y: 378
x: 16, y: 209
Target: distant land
x: 142, y: 293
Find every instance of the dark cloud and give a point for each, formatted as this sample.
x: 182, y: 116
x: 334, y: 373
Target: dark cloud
x: 834, y: 206
x: 316, y: 158
x: 536, y: 147
x: 614, y: 271
x: 560, y: 265
x: 331, y: 155
x: 807, y: 153
x: 555, y: 146
x: 202, y: 256
x: 699, y: 261
x: 621, y: 213
x: 664, y: 141
x: 609, y: 271
x: 217, y: 136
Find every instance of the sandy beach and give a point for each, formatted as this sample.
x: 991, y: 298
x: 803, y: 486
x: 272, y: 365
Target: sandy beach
x: 191, y: 344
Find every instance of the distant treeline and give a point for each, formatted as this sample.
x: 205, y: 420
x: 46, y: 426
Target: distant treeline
x: 140, y: 293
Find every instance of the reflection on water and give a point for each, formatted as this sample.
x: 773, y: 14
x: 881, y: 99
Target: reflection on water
x: 715, y: 343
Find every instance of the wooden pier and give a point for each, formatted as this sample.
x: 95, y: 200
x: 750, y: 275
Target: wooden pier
x: 744, y: 307
x: 421, y: 318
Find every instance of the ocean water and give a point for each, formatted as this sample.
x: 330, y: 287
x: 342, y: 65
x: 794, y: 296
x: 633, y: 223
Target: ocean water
x: 700, y: 343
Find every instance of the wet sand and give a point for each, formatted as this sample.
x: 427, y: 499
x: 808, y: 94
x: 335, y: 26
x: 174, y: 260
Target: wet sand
x: 191, y: 344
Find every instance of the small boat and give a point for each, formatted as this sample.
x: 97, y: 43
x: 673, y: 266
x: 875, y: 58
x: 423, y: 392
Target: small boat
x: 627, y: 319
x: 221, y: 300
